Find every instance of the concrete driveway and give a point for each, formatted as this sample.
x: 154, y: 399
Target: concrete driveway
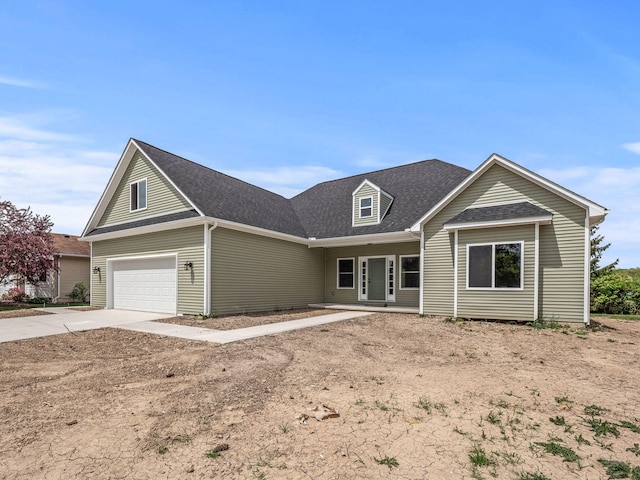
x: 65, y: 320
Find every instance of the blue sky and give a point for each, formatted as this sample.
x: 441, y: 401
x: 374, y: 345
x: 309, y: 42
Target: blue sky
x: 285, y: 94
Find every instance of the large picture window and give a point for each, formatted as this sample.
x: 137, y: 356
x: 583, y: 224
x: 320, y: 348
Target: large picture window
x: 410, y: 272
x: 139, y: 195
x: 497, y: 265
x: 346, y: 272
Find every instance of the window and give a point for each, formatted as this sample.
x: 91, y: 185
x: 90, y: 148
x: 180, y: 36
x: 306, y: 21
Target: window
x: 497, y: 265
x: 345, y: 272
x: 366, y: 207
x: 139, y: 195
x: 410, y: 272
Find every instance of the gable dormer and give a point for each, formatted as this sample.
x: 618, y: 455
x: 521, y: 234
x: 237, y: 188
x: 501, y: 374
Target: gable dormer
x: 370, y: 204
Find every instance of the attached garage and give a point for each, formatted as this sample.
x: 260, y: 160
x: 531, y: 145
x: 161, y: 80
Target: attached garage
x: 147, y: 284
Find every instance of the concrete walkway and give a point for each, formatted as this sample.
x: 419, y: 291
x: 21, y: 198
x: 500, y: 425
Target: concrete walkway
x: 228, y: 336
x: 67, y: 320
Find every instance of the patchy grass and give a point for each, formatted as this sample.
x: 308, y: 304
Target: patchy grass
x: 554, y: 448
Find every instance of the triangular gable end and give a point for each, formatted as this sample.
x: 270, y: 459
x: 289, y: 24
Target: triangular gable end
x: 596, y: 212
x: 117, y: 176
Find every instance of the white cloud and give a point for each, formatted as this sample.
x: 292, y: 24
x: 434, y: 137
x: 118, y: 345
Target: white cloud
x: 18, y: 82
x: 287, y: 181
x: 50, y: 173
x: 16, y: 129
x: 616, y: 189
x: 632, y: 147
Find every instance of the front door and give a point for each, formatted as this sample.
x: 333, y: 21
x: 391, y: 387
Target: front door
x: 377, y: 279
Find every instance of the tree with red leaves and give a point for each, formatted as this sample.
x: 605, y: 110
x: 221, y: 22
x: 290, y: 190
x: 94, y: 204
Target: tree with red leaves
x: 26, y: 244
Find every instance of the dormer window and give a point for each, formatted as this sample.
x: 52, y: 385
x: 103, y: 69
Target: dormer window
x: 138, y: 195
x: 366, y: 207
x: 370, y: 204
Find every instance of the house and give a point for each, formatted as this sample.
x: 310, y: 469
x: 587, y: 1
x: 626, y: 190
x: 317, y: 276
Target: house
x: 499, y: 242
x: 72, y: 263
x: 72, y: 259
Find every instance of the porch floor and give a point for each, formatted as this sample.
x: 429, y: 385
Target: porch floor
x: 366, y: 308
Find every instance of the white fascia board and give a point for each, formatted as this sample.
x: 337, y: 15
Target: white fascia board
x: 593, y: 208
x: 189, y: 222
x: 542, y: 220
x: 240, y: 227
x: 371, y: 239
x: 365, y: 182
x: 116, y: 178
x: 110, y: 189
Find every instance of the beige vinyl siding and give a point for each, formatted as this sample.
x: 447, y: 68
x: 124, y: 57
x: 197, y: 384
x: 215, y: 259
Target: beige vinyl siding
x: 254, y: 273
x: 72, y: 270
x: 404, y: 298
x: 503, y: 304
x: 562, y: 248
x: 188, y: 243
x: 366, y: 191
x: 162, y: 197
x: 385, y: 201
x: 438, y: 269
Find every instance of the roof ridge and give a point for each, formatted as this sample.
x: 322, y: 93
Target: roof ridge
x: 371, y: 172
x: 209, y: 168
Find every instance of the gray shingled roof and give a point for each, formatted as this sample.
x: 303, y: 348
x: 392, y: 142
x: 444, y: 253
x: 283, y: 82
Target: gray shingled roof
x: 511, y: 211
x: 220, y: 196
x: 326, y: 209
x: 323, y: 211
x: 145, y: 222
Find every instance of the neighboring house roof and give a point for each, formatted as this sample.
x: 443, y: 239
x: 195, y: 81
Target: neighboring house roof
x: 69, y: 245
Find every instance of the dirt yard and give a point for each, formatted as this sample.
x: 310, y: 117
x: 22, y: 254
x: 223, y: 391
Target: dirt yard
x: 417, y: 398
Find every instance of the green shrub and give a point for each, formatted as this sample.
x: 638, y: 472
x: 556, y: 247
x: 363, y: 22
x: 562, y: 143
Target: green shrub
x: 79, y: 292
x: 39, y: 300
x: 615, y: 294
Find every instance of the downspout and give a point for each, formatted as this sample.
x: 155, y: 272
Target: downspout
x: 455, y: 274
x: 536, y: 272
x: 587, y: 270
x: 58, y: 276
x: 207, y: 267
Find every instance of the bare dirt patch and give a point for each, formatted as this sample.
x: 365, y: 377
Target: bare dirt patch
x: 417, y: 398
x: 231, y: 322
x: 26, y: 312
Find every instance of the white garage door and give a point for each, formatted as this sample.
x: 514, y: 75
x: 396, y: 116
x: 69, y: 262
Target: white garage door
x: 148, y: 284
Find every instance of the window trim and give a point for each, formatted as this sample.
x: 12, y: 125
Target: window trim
x: 353, y: 273
x: 360, y: 207
x: 417, y: 255
x: 146, y: 195
x: 493, y: 266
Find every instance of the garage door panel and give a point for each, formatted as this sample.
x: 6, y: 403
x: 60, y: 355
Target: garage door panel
x: 145, y: 284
